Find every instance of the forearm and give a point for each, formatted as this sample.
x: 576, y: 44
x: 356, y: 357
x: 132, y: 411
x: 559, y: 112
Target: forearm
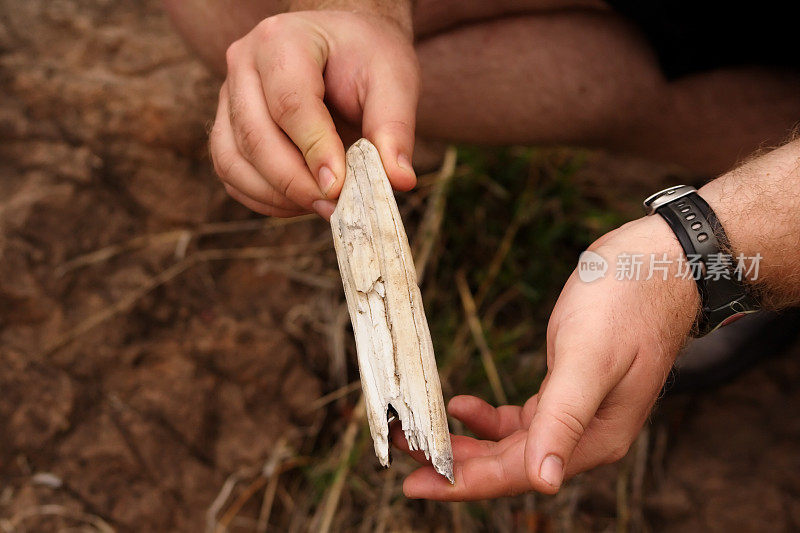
x: 758, y: 204
x: 398, y: 11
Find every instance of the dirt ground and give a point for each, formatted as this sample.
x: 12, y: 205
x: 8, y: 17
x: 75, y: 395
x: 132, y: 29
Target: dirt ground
x: 140, y: 383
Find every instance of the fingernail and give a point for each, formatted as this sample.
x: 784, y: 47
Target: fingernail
x: 552, y: 470
x: 326, y: 179
x: 403, y: 162
x: 323, y: 208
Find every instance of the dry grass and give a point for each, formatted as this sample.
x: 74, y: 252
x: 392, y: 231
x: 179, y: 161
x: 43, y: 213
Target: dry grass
x: 508, y: 225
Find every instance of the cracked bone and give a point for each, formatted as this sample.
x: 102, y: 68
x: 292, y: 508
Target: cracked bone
x: 395, y: 353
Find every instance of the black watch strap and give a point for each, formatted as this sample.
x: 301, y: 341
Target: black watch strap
x: 724, y: 296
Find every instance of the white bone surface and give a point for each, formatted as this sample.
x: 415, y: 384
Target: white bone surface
x: 395, y: 352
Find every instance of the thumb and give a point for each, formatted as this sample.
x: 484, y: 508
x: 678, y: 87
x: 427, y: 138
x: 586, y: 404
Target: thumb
x: 389, y: 118
x: 568, y: 401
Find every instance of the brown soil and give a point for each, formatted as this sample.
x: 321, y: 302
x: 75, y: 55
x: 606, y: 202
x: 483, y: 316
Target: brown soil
x: 103, y: 119
x: 140, y: 420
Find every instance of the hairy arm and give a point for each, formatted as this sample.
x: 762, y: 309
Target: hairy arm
x: 398, y: 11
x: 611, y: 343
x: 758, y: 204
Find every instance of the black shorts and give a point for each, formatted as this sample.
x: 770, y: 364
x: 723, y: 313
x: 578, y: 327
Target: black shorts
x: 696, y: 36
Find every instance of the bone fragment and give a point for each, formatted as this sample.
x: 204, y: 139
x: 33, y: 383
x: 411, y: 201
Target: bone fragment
x: 395, y: 353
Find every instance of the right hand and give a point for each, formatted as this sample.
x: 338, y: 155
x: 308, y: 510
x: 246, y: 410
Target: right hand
x: 610, y: 346
x: 274, y: 143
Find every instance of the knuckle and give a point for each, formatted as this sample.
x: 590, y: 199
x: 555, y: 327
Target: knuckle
x: 314, y: 141
x: 263, y: 209
x: 606, y: 366
x: 237, y: 196
x: 399, y: 125
x: 214, y: 139
x: 287, y: 105
x: 288, y: 187
x: 270, y: 26
x: 532, y: 473
x: 250, y: 139
x: 224, y: 164
x: 232, y: 53
x: 617, y: 452
x: 510, y: 488
x: 272, y: 196
x: 401, y: 130
x: 294, y: 190
x: 572, y: 425
x: 237, y: 108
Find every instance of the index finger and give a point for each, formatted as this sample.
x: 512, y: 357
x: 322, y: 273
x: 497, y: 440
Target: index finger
x: 389, y: 119
x: 294, y: 89
x: 498, y: 473
x: 487, y: 421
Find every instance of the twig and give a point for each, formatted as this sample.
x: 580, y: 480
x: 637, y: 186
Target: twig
x: 299, y: 518
x: 458, y: 349
x: 219, y: 502
x: 336, y: 334
x: 332, y: 396
x: 457, y: 510
x: 480, y: 340
x: 236, y: 506
x: 386, y: 496
x: 106, y: 253
x: 142, y: 241
x: 178, y: 268
x: 290, y: 271
x: 499, y: 258
x: 572, y: 495
x: 630, y: 483
x: 268, y: 499
x: 280, y: 251
x: 348, y: 442
x: 57, y: 510
x: 501, y: 518
x: 430, y: 227
x: 278, y: 462
x: 641, y: 452
x: 266, y: 504
x: 498, y: 304
x: 530, y: 517
x: 117, y: 307
x: 286, y: 499
x: 623, y: 502
x: 659, y: 454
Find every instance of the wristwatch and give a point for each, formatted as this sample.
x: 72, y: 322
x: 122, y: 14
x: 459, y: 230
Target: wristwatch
x: 725, y: 298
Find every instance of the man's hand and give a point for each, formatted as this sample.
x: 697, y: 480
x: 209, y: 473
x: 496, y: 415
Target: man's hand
x: 610, y: 345
x: 274, y: 143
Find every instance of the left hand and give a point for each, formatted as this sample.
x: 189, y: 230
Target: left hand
x: 274, y: 143
x: 610, y: 346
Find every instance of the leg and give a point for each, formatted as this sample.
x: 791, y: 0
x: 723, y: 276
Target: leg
x: 589, y: 78
x: 558, y: 71
x: 210, y: 26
